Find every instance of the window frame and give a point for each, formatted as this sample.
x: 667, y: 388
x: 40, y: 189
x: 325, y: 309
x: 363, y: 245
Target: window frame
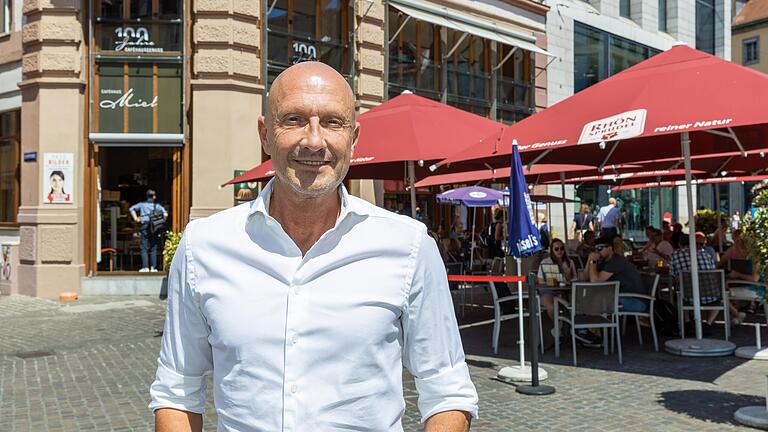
x: 625, y: 9
x: 14, y: 222
x: 6, y: 18
x: 745, y: 50
x: 662, y: 16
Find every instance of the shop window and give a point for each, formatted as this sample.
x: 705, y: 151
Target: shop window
x: 9, y: 166
x: 138, y: 27
x: 135, y: 97
x: 663, y: 16
x: 750, y: 50
x: 312, y: 30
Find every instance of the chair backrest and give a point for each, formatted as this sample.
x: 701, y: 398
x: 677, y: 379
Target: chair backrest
x: 711, y: 284
x: 595, y: 298
x: 552, y: 271
x: 650, y: 282
x: 740, y: 265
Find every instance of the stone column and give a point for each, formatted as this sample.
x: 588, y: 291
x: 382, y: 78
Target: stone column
x: 52, y: 120
x: 369, y: 84
x: 227, y: 89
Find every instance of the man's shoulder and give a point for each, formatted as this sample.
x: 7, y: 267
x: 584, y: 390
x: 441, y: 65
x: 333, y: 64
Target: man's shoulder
x: 364, y: 208
x: 212, y: 225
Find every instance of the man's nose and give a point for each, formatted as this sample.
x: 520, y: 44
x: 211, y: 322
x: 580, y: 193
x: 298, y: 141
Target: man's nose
x: 313, y: 140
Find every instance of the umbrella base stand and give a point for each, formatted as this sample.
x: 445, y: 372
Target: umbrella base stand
x: 755, y: 352
x: 752, y: 353
x: 753, y: 416
x: 519, y: 374
x: 691, y: 347
x: 535, y: 390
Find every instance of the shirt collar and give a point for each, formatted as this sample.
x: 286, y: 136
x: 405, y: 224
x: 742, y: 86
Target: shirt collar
x: 261, y: 203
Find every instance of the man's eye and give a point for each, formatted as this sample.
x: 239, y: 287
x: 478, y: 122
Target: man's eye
x: 292, y: 120
x: 334, y: 123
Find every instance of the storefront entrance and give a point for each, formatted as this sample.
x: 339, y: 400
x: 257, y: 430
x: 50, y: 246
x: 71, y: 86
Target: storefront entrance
x: 124, y: 176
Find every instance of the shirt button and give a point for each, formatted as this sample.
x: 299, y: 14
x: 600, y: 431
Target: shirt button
x: 295, y: 338
x: 294, y: 388
x: 296, y: 290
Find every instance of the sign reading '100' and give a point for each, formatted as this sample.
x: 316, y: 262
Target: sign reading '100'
x: 134, y: 40
x: 303, y: 52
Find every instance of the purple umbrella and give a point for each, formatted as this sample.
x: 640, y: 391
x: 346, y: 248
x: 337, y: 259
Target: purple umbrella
x: 472, y: 196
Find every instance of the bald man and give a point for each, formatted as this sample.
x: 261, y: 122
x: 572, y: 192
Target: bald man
x: 609, y: 218
x: 305, y: 303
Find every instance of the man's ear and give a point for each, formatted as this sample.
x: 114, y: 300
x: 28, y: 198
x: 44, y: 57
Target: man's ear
x: 262, y: 125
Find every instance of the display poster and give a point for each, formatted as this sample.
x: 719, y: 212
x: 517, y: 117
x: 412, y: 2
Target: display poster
x: 58, y: 178
x: 5, y: 263
x: 245, y: 191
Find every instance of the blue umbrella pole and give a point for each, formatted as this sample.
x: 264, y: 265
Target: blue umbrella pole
x: 533, y: 333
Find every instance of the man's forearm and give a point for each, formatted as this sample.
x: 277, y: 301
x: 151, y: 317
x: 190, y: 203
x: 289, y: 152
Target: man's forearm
x: 173, y: 420
x: 448, y: 421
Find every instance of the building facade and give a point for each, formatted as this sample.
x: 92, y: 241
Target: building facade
x: 104, y: 99
x: 595, y: 39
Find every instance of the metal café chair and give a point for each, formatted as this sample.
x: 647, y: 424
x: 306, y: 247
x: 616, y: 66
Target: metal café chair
x: 650, y: 281
x: 592, y: 305
x: 711, y: 286
x: 505, y: 299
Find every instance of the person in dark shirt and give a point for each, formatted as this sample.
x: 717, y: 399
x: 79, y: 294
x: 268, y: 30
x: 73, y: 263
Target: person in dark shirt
x: 605, y: 265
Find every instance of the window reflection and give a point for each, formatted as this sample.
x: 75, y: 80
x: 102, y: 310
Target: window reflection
x: 598, y: 55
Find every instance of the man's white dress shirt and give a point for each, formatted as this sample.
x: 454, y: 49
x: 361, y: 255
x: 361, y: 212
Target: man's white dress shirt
x: 310, y: 343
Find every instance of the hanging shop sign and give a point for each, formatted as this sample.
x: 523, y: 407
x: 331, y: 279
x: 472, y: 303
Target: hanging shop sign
x: 138, y: 98
x: 156, y: 38
x: 303, y: 51
x: 58, y: 178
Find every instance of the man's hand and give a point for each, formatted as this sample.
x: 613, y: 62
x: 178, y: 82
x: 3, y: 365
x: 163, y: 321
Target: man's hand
x: 594, y: 256
x: 173, y: 420
x: 448, y: 421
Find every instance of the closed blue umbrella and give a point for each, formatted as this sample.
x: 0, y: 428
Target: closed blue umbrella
x: 523, y: 235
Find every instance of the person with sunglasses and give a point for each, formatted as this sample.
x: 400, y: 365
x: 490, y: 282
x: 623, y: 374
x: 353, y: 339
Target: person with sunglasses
x: 606, y: 265
x: 557, y: 256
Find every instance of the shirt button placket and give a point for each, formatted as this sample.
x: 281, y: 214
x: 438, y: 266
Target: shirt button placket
x: 294, y: 318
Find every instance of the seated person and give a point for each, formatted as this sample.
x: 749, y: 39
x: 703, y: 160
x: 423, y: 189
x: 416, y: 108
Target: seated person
x: 657, y: 249
x: 701, y: 243
x: 587, y: 246
x: 606, y: 265
x: 737, y: 252
x: 680, y: 262
x: 557, y: 265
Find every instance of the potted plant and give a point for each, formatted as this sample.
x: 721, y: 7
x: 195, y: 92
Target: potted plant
x: 172, y: 240
x: 756, y: 231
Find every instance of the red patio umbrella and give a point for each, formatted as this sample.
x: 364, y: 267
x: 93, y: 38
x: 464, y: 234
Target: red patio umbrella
x: 403, y: 136
x: 679, y: 96
x: 718, y: 103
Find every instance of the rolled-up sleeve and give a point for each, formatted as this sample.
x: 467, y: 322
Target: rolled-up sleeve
x: 185, y: 354
x: 432, y: 347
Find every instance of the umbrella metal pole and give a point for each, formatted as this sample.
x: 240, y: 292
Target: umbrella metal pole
x: 534, y: 389
x: 686, y: 141
x: 565, y: 214
x: 520, y: 314
x: 472, y: 241
x: 719, y: 219
x: 411, y: 184
x: 661, y: 203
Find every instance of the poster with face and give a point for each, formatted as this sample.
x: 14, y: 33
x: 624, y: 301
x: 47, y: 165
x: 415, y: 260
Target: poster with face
x: 58, y: 178
x: 5, y: 263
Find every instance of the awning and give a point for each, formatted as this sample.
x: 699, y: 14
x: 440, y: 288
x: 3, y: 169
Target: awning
x: 137, y: 139
x: 466, y: 23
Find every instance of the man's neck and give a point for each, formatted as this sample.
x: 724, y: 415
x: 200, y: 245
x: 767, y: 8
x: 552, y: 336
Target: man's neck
x: 304, y: 219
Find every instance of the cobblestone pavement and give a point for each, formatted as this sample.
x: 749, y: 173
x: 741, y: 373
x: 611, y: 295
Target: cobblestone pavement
x: 88, y: 365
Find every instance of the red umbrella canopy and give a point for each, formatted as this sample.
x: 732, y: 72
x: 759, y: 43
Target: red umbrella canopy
x: 636, y: 176
x: 405, y: 128
x: 681, y: 182
x: 638, y: 114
